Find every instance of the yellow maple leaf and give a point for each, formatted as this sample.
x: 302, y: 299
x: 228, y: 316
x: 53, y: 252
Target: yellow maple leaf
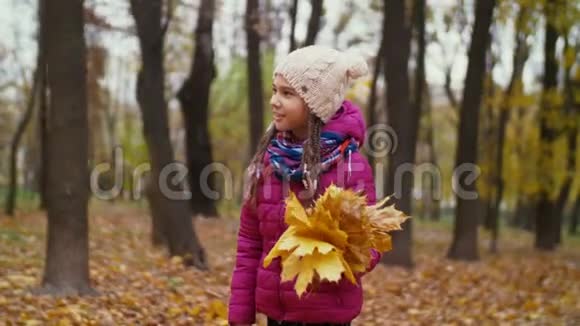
x: 329, y: 267
x: 333, y: 238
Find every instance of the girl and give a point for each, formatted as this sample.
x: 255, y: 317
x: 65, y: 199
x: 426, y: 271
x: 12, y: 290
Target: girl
x: 312, y: 142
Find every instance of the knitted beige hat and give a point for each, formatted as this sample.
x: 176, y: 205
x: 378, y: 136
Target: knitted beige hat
x: 320, y: 76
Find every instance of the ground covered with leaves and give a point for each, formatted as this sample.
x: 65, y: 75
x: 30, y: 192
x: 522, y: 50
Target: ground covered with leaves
x: 138, y: 285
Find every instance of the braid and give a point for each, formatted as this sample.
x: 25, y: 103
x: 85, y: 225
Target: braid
x: 256, y: 162
x: 311, y: 158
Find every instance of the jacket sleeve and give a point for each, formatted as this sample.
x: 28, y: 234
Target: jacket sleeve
x: 359, y: 176
x: 242, y: 306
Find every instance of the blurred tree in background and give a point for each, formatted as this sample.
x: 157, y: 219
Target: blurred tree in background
x: 172, y: 223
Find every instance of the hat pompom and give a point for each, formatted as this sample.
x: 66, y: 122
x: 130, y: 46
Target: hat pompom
x: 357, y: 66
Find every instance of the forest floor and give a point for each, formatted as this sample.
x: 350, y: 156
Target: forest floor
x: 138, y: 285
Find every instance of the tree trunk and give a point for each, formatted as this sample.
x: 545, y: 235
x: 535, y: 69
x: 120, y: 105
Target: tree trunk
x: 448, y: 90
x: 314, y: 22
x: 66, y: 271
x: 546, y: 221
x: 34, y: 92
x: 518, y: 62
x: 571, y: 114
x: 530, y: 217
x: 43, y: 126
x: 15, y: 144
x: 575, y: 108
x: 486, y: 150
x: 255, y: 95
x: 371, y: 108
x: 419, y: 8
x: 293, y: 12
x: 495, y: 201
x: 574, y: 218
x: 525, y: 213
x: 421, y: 90
x: 432, y: 204
x: 464, y: 244
x: 171, y: 214
x: 486, y: 126
x: 404, y: 119
x: 567, y: 186
x: 194, y: 99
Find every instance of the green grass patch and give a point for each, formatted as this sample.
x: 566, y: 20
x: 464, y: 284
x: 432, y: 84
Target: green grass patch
x: 26, y: 200
x: 11, y: 236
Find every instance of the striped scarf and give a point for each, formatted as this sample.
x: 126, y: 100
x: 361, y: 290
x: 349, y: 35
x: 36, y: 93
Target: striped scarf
x: 286, y: 153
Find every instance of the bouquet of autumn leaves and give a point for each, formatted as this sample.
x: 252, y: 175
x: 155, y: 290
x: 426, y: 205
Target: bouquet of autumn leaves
x: 333, y: 237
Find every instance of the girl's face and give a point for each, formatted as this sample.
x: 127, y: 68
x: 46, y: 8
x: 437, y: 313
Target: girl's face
x: 289, y: 110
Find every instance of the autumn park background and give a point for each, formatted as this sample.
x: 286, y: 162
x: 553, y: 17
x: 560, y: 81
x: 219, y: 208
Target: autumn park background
x: 97, y: 97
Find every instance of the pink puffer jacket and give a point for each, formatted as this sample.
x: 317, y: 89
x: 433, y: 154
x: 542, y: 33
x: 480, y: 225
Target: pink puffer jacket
x: 255, y: 288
